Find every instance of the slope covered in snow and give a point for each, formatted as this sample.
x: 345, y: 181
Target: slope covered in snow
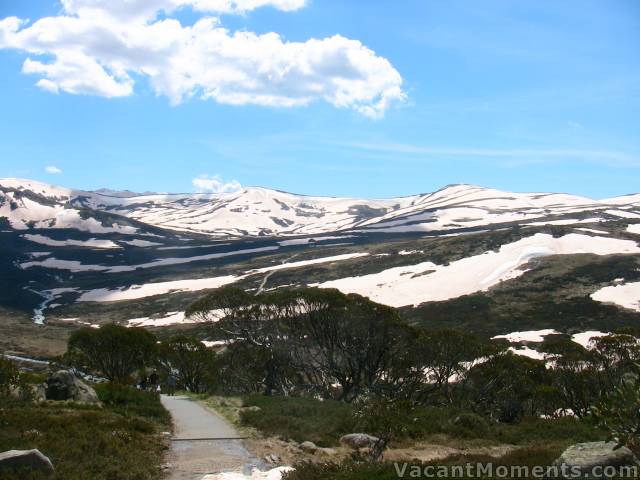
x: 263, y: 212
x: 428, y: 282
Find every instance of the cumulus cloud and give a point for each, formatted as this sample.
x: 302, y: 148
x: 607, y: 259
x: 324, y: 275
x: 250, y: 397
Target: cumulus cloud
x: 98, y: 47
x: 214, y: 184
x: 52, y: 169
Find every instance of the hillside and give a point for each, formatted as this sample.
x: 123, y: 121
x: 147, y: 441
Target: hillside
x: 491, y: 261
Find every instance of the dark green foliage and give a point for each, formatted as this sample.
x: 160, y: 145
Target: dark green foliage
x: 471, y: 425
x: 112, y: 350
x: 299, y: 419
x: 189, y: 360
x: 84, y: 442
x: 9, y: 375
x: 131, y: 402
x: 503, y: 386
x: 353, y: 470
x: 619, y: 412
x: 306, y: 340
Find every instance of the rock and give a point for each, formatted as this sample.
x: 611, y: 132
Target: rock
x: 35, y: 393
x: 309, y: 447
x: 359, y: 440
x: 584, y: 457
x: 39, y: 392
x: 30, y: 459
x: 327, y: 451
x: 64, y: 385
x: 272, y: 459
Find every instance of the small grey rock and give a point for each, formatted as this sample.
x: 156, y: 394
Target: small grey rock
x: 308, y: 447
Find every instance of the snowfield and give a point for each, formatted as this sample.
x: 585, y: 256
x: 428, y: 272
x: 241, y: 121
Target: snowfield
x: 76, y: 266
x: 427, y: 282
x: 626, y: 295
x: 260, y: 211
x: 91, y: 243
x: 528, y: 336
x: 635, y: 228
x: 147, y: 290
x: 191, y: 285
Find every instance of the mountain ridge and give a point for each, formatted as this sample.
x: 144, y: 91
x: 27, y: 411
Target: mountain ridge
x: 259, y: 211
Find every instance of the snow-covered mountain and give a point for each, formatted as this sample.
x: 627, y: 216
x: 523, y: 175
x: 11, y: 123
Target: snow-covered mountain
x: 463, y: 256
x: 263, y: 212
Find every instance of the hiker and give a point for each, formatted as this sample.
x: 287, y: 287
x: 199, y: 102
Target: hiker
x: 171, y: 384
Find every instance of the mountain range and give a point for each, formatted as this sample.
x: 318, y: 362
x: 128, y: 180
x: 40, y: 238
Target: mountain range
x: 494, y: 261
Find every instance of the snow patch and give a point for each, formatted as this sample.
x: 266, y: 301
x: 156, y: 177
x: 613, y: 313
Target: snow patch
x: 274, y: 474
x: 626, y: 295
x: 427, y: 282
x: 527, y: 336
x: 91, y: 243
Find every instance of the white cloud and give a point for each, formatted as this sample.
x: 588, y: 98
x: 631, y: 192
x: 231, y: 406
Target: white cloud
x: 214, y: 184
x: 52, y: 169
x: 98, y: 47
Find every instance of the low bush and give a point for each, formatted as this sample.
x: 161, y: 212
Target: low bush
x: 351, y: 470
x: 299, y: 419
x: 129, y: 401
x: 83, y: 442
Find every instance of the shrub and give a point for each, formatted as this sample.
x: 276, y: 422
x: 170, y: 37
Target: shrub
x: 9, y: 375
x: 129, y: 401
x: 470, y: 425
x: 114, y: 351
x: 299, y: 419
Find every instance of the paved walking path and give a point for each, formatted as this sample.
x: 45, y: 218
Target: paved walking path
x: 191, y: 459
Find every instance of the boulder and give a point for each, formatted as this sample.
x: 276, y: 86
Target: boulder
x: 307, y: 446
x: 579, y: 460
x: 359, y: 440
x: 27, y: 459
x: 64, y: 385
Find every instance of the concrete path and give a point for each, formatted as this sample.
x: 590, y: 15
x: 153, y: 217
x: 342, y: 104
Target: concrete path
x: 192, y: 458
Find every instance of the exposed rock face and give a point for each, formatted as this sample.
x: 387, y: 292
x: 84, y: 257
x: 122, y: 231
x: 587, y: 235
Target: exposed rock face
x: 359, y: 440
x: 29, y: 459
x: 582, y: 459
x: 63, y: 385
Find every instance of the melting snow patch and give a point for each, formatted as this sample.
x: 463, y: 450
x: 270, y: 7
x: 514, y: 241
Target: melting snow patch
x: 622, y: 213
x: 585, y: 337
x: 627, y: 295
x: 91, y: 243
x: 635, y: 228
x: 528, y: 352
x: 428, y: 282
x: 171, y: 318
x: 592, y: 230
x: 528, y: 336
x: 274, y: 474
x: 149, y: 289
x: 140, y: 243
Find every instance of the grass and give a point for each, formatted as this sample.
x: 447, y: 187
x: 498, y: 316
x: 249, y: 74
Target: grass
x: 299, y: 419
x: 324, y: 422
x: 120, y: 441
x: 352, y: 470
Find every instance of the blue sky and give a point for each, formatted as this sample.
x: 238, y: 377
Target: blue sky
x: 524, y: 96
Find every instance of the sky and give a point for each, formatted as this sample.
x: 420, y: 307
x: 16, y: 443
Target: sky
x: 362, y: 98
